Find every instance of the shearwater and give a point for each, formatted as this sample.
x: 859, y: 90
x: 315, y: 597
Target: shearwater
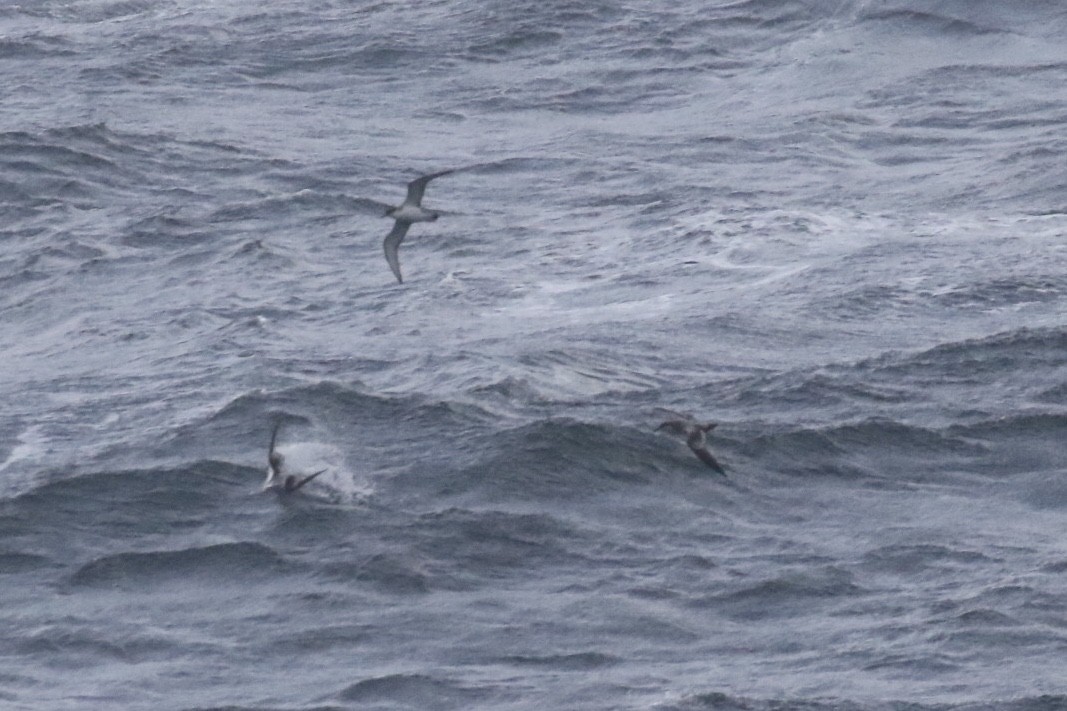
x: 685, y: 425
x: 276, y: 480
x: 407, y: 212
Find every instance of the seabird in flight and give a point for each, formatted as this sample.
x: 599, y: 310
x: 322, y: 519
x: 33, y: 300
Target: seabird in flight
x: 411, y: 210
x: 695, y: 436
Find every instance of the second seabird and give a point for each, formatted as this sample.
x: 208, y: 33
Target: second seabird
x: 411, y: 210
x: 695, y: 437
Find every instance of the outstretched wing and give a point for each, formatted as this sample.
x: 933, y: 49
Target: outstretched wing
x: 392, y: 247
x: 680, y: 415
x: 705, y: 456
x: 417, y: 187
x: 303, y: 481
x: 273, y: 458
x: 677, y: 427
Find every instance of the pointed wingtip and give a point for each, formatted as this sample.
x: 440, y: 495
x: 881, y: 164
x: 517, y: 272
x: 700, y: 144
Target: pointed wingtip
x: 306, y: 479
x: 391, y: 246
x: 438, y: 174
x: 705, y: 456
x: 273, y: 438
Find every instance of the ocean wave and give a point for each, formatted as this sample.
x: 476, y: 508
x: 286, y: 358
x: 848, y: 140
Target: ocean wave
x: 910, y: 559
x: 415, y: 690
x: 915, y: 665
x: 298, y: 204
x: 517, y: 42
x: 785, y: 595
x: 874, y: 448
x: 320, y: 639
x: 393, y: 574
x: 105, y: 503
x: 574, y: 662
x: 874, y: 300
x: 36, y: 46
x: 819, y: 388
x: 1036, y: 425
x: 92, y: 12
x: 905, y: 20
x: 221, y: 563
x: 1025, y: 342
x: 513, y: 392
x: 13, y: 563
x: 84, y: 165
x: 983, y: 618
x: 22, y: 278
x: 62, y: 171
x: 972, y: 361
x: 492, y: 543
x: 723, y: 701
x: 165, y: 231
x: 555, y: 458
x: 86, y: 645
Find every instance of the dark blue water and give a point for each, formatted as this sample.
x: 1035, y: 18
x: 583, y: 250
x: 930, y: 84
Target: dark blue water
x: 836, y: 228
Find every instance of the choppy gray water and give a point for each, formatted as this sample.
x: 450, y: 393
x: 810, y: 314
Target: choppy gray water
x: 836, y: 228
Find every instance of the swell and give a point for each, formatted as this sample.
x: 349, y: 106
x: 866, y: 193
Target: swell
x: 941, y: 25
x: 89, y: 166
x: 721, y: 701
x: 996, y: 294
x: 70, y: 512
x: 415, y: 691
x: 787, y: 595
x: 82, y: 644
x: 1000, y: 353
x: 943, y: 385
x: 553, y: 459
x: 35, y: 47
x: 490, y: 543
x: 89, y: 13
x: 874, y: 448
x: 986, y: 405
x: 221, y: 563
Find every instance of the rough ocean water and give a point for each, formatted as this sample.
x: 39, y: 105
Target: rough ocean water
x: 835, y: 228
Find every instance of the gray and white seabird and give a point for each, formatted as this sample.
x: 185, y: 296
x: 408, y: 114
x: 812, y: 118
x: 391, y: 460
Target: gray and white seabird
x: 695, y: 436
x: 276, y: 480
x: 407, y: 212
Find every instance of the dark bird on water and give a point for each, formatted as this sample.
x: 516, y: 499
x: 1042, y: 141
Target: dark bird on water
x: 407, y: 212
x: 276, y: 480
x: 695, y: 433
